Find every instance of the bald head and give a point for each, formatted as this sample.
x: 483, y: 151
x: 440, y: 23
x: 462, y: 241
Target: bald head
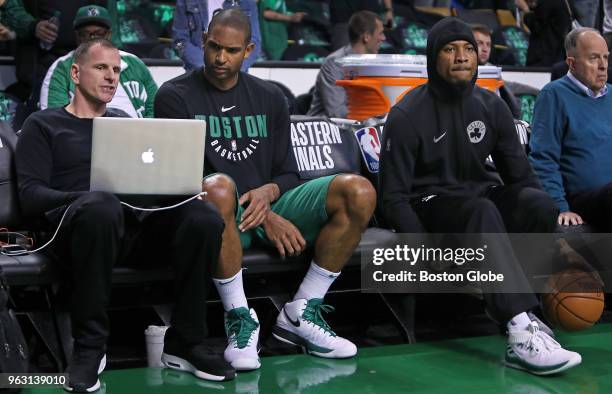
x: 233, y: 18
x: 82, y: 51
x: 580, y: 36
x: 587, y: 57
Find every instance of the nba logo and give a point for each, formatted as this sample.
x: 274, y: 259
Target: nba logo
x: 369, y: 144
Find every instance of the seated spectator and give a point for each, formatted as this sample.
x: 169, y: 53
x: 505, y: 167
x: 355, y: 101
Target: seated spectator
x: 53, y: 157
x: 570, y: 144
x: 251, y: 176
x: 366, y: 34
x: 19, y: 23
x: 482, y: 35
x: 340, y: 12
x: 191, y: 21
x: 273, y: 20
x: 560, y: 69
x: 136, y: 91
x: 433, y: 179
x: 16, y: 19
x: 548, y: 22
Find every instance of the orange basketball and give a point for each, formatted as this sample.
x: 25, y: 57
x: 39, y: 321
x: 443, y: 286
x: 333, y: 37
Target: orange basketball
x: 575, y: 300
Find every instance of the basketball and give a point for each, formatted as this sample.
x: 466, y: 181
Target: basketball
x: 575, y: 300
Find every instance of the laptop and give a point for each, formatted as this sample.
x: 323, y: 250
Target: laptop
x: 147, y: 160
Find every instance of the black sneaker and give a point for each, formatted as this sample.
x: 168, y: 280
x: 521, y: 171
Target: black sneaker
x: 197, y: 359
x: 85, y: 367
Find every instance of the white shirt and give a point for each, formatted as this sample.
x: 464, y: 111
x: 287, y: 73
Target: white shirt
x: 585, y: 89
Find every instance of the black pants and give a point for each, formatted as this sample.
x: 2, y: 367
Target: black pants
x: 501, y: 209
x: 98, y: 233
x: 594, y: 206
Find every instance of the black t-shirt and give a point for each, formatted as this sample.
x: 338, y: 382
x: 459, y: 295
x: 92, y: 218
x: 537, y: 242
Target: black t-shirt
x: 53, y: 160
x: 248, y: 134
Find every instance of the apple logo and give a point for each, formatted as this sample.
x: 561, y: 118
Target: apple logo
x: 147, y: 157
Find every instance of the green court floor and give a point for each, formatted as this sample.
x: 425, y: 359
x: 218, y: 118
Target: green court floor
x: 470, y: 365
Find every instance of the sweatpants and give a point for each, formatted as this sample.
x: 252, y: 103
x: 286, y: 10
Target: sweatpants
x: 594, y: 206
x: 499, y: 209
x: 99, y: 233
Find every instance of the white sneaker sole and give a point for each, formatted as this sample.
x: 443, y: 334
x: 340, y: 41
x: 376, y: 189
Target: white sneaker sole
x: 334, y: 354
x: 97, y: 385
x: 245, y: 364
x: 570, y: 364
x: 180, y: 364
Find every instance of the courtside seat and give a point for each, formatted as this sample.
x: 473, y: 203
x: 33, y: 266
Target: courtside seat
x: 580, y: 229
x: 320, y: 148
x: 30, y: 269
x: 40, y: 269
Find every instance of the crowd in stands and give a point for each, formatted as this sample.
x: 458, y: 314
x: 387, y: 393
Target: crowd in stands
x: 521, y: 33
x: 284, y: 30
x: 432, y: 165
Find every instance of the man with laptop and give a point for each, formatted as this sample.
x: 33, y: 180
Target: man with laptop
x: 96, y: 231
x: 252, y: 179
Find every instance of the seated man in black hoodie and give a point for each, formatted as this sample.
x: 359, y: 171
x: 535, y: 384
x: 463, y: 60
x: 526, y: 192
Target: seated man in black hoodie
x: 434, y: 179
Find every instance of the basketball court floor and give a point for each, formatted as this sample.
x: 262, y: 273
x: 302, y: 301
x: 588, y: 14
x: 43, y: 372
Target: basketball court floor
x: 467, y: 365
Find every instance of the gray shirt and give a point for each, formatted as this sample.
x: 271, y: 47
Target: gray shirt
x: 329, y: 99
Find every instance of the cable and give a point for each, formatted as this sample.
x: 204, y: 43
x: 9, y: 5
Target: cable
x: 163, y: 208
x: 42, y: 247
x: 8, y: 253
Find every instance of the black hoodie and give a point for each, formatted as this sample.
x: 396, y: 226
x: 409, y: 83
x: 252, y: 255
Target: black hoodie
x: 437, y: 138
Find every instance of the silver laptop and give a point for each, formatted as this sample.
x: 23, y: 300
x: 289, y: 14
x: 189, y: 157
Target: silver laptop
x: 140, y: 158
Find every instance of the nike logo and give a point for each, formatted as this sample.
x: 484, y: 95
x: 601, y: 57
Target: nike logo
x: 425, y: 199
x: 294, y: 322
x: 223, y: 109
x: 437, y: 139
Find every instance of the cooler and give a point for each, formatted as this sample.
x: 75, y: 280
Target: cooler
x: 374, y: 83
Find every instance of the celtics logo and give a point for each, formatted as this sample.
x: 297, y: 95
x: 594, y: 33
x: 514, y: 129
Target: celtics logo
x: 93, y: 11
x: 476, y: 131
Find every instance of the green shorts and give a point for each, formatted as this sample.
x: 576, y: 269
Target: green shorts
x: 304, y: 206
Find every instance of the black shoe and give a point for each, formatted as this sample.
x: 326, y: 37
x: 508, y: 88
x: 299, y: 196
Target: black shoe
x: 85, y: 367
x: 197, y: 359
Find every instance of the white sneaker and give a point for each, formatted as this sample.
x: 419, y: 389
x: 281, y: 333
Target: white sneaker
x: 242, y: 330
x: 301, y: 323
x: 536, y: 352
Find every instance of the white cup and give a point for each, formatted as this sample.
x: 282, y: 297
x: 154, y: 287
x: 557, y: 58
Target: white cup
x: 154, y: 337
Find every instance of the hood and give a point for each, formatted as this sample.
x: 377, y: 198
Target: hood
x: 447, y: 30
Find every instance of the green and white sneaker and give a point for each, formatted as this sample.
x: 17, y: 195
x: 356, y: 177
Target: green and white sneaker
x: 301, y: 323
x: 242, y: 330
x: 536, y: 352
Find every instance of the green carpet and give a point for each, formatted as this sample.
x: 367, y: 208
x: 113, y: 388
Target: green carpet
x: 470, y: 365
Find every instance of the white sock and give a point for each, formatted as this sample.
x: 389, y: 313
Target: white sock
x: 231, y: 292
x: 316, y: 282
x: 520, y: 322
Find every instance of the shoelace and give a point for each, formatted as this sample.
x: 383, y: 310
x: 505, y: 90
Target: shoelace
x: 242, y: 326
x: 534, y: 339
x: 313, y: 313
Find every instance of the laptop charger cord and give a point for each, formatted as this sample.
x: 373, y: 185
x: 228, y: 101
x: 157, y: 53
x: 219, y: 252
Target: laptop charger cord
x: 163, y: 208
x: 7, y: 249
